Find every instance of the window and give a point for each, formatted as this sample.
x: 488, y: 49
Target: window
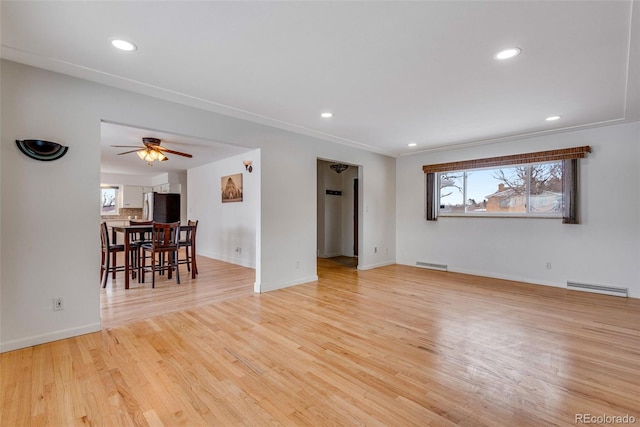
x: 523, y: 190
x: 109, y: 198
x: 543, y: 183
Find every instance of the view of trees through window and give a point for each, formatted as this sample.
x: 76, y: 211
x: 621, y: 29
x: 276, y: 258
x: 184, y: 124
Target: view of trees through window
x: 109, y: 197
x: 533, y: 189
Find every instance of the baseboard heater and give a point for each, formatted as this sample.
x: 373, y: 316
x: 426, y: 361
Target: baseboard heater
x: 598, y: 289
x: 431, y: 266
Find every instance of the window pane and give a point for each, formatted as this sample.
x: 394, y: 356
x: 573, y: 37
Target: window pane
x: 480, y: 183
x: 546, y: 187
x: 109, y: 196
x: 451, y: 192
x: 504, y: 188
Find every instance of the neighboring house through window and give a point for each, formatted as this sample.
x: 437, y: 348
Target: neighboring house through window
x: 533, y: 189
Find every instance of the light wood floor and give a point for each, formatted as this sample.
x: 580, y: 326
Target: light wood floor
x: 216, y: 281
x: 396, y: 346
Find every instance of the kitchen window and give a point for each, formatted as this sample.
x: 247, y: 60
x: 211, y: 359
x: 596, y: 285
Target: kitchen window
x: 109, y: 200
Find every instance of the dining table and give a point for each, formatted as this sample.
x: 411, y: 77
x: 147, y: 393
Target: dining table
x: 130, y: 230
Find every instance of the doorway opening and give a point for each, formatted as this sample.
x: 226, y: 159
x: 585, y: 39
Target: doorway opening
x: 338, y: 214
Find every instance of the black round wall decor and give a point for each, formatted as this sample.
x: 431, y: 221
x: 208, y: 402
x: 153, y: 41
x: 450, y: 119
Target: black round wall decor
x: 41, y: 150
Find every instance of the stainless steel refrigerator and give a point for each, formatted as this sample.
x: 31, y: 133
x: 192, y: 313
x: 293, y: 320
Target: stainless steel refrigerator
x: 161, y: 207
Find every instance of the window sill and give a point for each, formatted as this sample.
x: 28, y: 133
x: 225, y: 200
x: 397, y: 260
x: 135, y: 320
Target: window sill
x: 443, y: 215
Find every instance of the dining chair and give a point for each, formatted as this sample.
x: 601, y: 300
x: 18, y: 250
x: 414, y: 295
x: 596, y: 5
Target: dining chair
x: 187, y: 244
x: 109, y: 255
x: 164, y: 241
x: 136, y: 241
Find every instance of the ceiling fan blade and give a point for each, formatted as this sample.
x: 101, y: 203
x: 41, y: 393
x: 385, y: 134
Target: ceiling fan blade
x: 166, y: 150
x: 129, y: 152
x: 128, y: 146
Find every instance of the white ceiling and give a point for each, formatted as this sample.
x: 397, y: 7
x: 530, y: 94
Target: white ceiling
x: 391, y: 72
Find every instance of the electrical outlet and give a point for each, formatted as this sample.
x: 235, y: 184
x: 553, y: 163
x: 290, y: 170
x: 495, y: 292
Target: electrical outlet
x: 548, y: 265
x: 297, y: 264
x: 58, y: 304
x: 375, y: 249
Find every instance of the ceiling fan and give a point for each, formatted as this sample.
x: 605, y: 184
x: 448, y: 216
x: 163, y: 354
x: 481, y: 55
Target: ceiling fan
x: 151, y: 150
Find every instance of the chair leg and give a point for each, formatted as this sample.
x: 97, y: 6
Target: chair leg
x: 115, y: 262
x: 106, y: 270
x: 153, y: 270
x: 176, y: 265
x: 101, y: 267
x: 143, y: 270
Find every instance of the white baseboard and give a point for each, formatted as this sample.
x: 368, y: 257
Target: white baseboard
x: 230, y: 259
x: 272, y: 287
x: 371, y: 266
x: 45, y: 338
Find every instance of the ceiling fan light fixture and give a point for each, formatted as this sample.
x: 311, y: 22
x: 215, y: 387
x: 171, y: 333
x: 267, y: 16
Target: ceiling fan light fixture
x: 151, y: 151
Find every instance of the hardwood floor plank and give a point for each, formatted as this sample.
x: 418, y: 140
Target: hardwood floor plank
x: 391, y: 346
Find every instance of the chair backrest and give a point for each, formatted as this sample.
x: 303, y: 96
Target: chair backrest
x: 104, y: 236
x: 191, y: 233
x: 141, y: 235
x: 165, y: 234
x: 136, y: 222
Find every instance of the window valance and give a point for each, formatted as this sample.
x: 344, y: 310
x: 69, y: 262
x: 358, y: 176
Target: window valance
x: 516, y: 159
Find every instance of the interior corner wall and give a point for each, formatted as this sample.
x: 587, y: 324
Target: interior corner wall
x: 329, y: 212
x: 226, y: 231
x: 604, y: 249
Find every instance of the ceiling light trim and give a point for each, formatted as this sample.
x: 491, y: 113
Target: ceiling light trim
x: 123, y: 45
x: 508, y: 53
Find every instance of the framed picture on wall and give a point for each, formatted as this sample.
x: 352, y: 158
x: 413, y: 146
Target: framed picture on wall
x: 231, y: 186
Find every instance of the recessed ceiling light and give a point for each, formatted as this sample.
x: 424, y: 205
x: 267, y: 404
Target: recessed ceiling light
x: 326, y: 115
x: 412, y: 144
x: 552, y: 118
x: 508, y: 53
x: 124, y: 45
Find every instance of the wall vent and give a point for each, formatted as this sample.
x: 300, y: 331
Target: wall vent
x: 598, y: 289
x: 431, y: 266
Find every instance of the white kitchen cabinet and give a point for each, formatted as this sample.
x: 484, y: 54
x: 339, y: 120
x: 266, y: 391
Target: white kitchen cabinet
x: 131, y: 196
x: 167, y: 188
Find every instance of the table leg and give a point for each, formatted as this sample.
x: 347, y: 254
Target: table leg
x: 126, y: 259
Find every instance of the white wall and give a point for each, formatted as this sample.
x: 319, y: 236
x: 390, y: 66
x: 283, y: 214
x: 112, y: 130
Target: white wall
x: 226, y: 231
x: 122, y: 179
x: 50, y: 244
x: 604, y: 249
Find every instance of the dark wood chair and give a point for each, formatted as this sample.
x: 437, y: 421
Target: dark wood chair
x: 164, y: 241
x: 109, y: 255
x: 137, y: 240
x: 187, y: 243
